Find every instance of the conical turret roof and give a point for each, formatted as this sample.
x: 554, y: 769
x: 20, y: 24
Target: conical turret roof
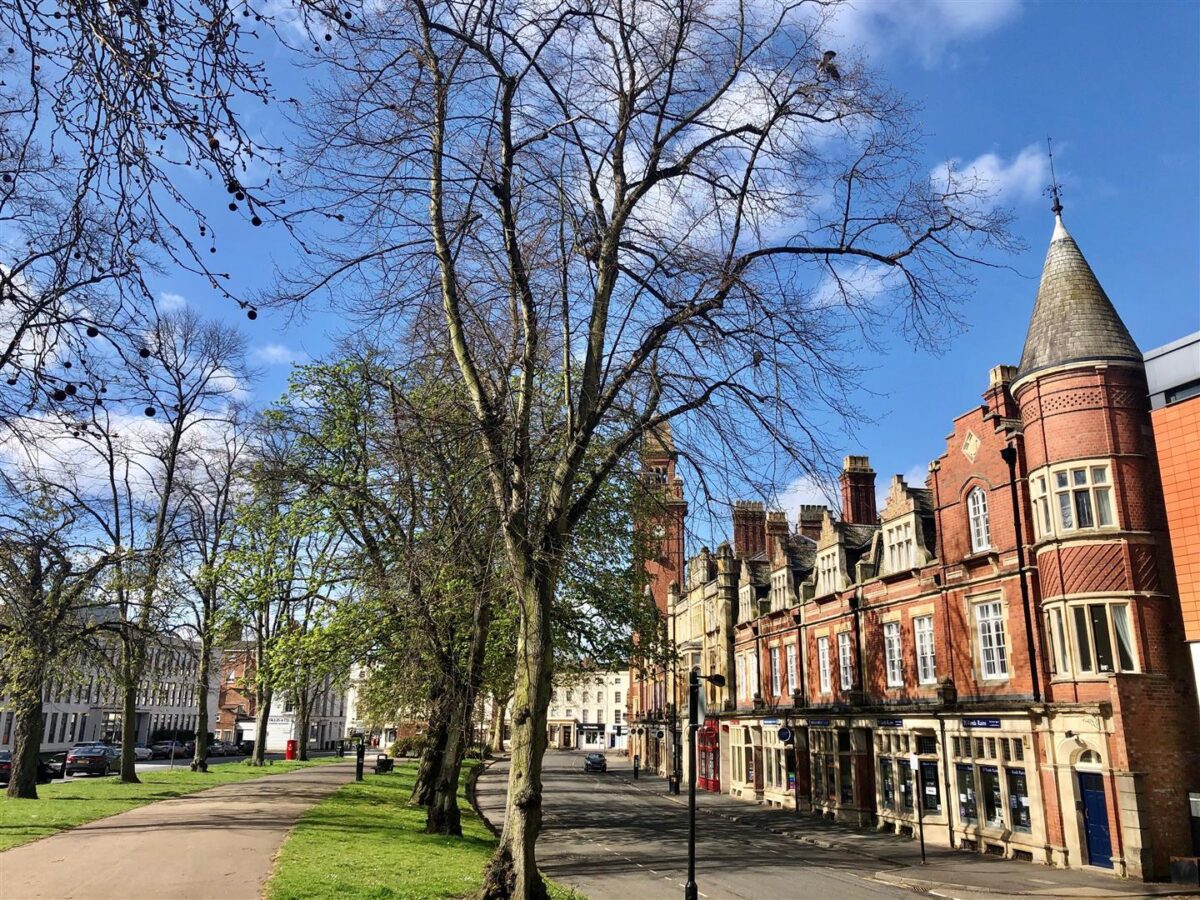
x: 1073, y: 319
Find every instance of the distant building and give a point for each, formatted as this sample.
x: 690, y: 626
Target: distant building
x: 236, y: 721
x: 587, y: 710
x: 88, y: 706
x: 1173, y: 375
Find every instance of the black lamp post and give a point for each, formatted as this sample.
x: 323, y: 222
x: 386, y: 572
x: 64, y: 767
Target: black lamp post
x: 690, y: 891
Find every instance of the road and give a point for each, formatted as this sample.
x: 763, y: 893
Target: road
x: 612, y: 841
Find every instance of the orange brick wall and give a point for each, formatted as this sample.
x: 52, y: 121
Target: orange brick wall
x: 1177, y: 434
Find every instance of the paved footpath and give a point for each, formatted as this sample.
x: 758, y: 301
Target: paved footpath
x: 219, y: 843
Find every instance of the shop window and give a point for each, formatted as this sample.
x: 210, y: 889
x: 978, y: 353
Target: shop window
x: 926, y: 744
x: 891, y: 650
x: 845, y: 770
x: 989, y: 786
x: 843, y: 741
x: 977, y: 512
x: 887, y: 784
x: 1018, y: 800
x: 968, y: 810
x: 930, y: 786
x: 906, y: 786
x: 830, y: 779
x: 993, y: 652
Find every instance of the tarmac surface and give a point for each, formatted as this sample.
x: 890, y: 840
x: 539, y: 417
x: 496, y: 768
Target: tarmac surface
x: 612, y: 838
x: 219, y: 843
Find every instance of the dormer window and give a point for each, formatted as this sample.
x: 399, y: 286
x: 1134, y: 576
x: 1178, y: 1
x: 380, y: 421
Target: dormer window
x: 899, y: 546
x: 977, y: 513
x: 827, y: 572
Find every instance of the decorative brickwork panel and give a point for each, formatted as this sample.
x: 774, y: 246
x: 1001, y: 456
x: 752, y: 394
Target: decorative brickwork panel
x: 1092, y: 569
x: 1144, y: 564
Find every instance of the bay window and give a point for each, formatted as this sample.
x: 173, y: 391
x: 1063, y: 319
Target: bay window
x: 827, y: 572
x: 1072, y: 497
x: 1103, y: 639
x: 899, y: 546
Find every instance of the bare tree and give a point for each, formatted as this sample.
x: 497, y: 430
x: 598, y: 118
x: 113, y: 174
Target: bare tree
x: 655, y: 211
x: 212, y: 482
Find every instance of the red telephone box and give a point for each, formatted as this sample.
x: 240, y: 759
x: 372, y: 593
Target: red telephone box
x: 291, y: 753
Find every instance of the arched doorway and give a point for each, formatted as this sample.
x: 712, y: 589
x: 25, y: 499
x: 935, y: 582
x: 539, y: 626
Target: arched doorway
x: 1097, y: 837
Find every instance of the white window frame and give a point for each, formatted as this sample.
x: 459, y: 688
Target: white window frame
x: 993, y: 643
x: 977, y: 515
x: 823, y: 664
x: 741, y: 677
x: 828, y: 574
x: 1085, y: 656
x: 790, y: 654
x: 845, y: 661
x: 1065, y: 494
x: 926, y: 657
x: 900, y: 545
x: 892, y: 652
x: 776, y: 675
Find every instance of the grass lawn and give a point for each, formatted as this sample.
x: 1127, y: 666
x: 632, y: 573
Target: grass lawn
x: 65, y: 804
x: 366, y: 843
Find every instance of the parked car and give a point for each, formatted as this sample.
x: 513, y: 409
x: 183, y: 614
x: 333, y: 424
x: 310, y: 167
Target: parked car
x: 44, y: 771
x: 163, y: 750
x: 595, y: 762
x: 56, y: 765
x: 93, y: 759
x: 141, y: 754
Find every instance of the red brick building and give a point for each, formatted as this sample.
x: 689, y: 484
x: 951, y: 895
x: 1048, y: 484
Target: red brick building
x: 1002, y: 645
x: 650, y: 716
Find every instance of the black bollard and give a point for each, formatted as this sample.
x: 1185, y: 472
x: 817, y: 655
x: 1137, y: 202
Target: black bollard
x: 358, y: 762
x: 636, y: 762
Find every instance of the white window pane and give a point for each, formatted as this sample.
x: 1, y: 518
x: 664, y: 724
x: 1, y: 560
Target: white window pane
x: 1103, y: 507
x: 1079, y: 476
x: 1120, y: 617
x: 1061, y: 479
x: 1099, y: 474
x: 1064, y: 511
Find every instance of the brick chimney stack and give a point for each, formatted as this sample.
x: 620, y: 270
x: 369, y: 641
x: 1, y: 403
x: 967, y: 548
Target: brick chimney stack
x: 777, y: 534
x: 998, y: 397
x: 809, y: 523
x: 749, y: 528
x: 858, y: 491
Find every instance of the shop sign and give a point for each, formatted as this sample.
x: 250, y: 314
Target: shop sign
x: 981, y: 723
x: 785, y: 735
x: 818, y: 721
x: 770, y: 721
x: 889, y: 723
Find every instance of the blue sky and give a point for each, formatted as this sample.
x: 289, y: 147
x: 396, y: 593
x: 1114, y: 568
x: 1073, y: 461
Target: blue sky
x: 1115, y: 84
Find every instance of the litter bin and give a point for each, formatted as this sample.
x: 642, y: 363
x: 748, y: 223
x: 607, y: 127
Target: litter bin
x: 290, y: 753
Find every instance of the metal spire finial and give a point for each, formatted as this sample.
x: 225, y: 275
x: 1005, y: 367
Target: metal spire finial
x: 1056, y: 207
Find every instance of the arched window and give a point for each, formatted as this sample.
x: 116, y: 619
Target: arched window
x: 1088, y: 758
x: 977, y: 512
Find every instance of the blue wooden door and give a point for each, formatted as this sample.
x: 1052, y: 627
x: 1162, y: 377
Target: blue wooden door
x: 1095, y: 819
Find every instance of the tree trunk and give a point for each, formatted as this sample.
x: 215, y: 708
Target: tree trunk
x: 499, y: 718
x: 131, y: 670
x: 434, y: 750
x: 442, y: 816
x: 512, y: 871
x: 200, y: 756
x: 305, y: 721
x: 262, y: 714
x: 27, y: 740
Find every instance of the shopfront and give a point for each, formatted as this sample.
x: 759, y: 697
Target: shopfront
x: 708, y: 750
x: 779, y: 764
x: 840, y: 756
x: 745, y: 760
x: 900, y: 786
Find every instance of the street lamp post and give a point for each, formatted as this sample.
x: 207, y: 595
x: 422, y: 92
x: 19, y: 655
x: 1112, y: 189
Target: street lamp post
x: 690, y: 891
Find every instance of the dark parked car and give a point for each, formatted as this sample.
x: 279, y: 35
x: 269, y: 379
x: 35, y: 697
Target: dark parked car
x: 595, y: 762
x: 56, y: 765
x: 44, y: 772
x: 93, y: 759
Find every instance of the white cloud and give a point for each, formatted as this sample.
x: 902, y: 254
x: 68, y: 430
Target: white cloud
x: 1018, y: 180
x: 169, y: 302
x: 807, y: 490
x: 278, y: 354
x: 926, y: 29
